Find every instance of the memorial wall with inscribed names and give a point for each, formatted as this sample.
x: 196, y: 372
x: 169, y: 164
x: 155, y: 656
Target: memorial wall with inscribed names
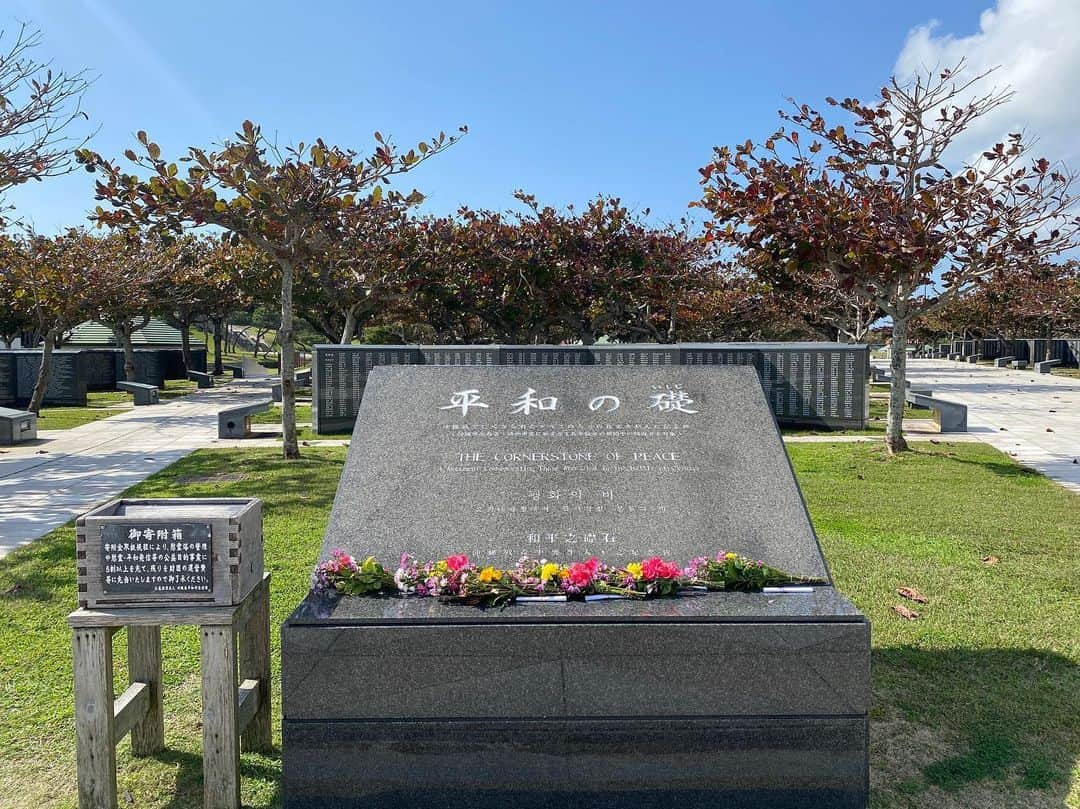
x: 815, y: 384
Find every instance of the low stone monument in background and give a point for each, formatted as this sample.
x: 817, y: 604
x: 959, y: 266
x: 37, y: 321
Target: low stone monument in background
x: 748, y: 699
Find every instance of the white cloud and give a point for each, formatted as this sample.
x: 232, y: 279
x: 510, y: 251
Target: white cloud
x: 1035, y: 44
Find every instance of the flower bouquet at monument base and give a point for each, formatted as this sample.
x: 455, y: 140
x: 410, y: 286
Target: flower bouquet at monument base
x: 457, y: 580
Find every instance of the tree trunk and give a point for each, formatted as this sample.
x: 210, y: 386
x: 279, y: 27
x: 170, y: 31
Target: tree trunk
x: 290, y: 448
x: 350, y: 326
x: 894, y: 429
x: 185, y: 345
x: 1049, y: 353
x: 129, y: 353
x: 219, y: 367
x: 37, y: 397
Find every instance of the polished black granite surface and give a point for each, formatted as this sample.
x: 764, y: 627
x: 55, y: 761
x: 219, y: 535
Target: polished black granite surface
x: 822, y: 604
x: 600, y: 763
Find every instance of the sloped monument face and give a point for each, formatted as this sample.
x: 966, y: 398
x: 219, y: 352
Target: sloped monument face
x: 568, y: 463
x: 758, y: 698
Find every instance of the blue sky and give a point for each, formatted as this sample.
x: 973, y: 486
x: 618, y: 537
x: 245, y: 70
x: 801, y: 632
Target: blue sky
x: 565, y: 100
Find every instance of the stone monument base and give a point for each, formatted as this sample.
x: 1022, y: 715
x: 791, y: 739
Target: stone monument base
x: 750, y: 700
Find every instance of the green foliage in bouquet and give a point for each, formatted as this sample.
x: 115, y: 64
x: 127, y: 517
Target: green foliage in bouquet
x: 729, y: 571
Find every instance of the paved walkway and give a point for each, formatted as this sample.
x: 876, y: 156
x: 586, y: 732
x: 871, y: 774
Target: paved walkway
x: 45, y: 483
x: 1035, y: 418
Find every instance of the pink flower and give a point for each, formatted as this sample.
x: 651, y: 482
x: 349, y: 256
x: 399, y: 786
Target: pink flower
x: 657, y: 568
x: 457, y: 562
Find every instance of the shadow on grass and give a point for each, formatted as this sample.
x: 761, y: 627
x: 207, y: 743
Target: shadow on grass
x: 1005, y: 468
x: 1004, y: 718
x: 188, y: 793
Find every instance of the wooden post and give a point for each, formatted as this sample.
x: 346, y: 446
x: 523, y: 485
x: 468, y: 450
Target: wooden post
x: 255, y: 665
x: 221, y: 739
x: 144, y: 666
x: 95, y: 753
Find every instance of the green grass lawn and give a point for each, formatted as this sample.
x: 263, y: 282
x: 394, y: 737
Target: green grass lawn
x: 303, y: 416
x: 875, y: 425
x: 99, y: 405
x: 104, y: 403
x: 1074, y: 373
x: 976, y: 703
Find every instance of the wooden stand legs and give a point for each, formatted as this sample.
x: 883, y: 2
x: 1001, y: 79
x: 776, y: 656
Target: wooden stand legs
x: 221, y: 736
x: 144, y: 666
x: 95, y: 752
x: 235, y: 693
x: 257, y: 733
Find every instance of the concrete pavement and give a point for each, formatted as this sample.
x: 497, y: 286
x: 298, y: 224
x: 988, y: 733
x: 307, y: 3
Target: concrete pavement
x: 1035, y: 418
x: 45, y: 483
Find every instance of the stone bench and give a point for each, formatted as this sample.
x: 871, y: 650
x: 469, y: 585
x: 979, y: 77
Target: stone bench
x: 204, y: 380
x: 303, y: 378
x: 950, y: 416
x: 955, y: 357
x: 1045, y: 366
x: 17, y: 426
x: 1003, y: 362
x: 144, y: 394
x: 974, y: 358
x: 235, y: 422
x: 1019, y: 365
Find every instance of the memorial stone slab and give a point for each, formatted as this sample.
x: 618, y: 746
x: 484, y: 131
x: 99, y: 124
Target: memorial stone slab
x: 566, y: 463
x: 816, y: 384
x: 339, y: 375
x: 546, y: 355
x: 67, y: 376
x: 635, y: 354
x: 100, y: 367
x: 9, y: 379
x: 761, y: 699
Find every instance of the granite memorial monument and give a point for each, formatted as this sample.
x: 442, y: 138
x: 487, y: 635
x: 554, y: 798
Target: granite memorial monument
x: 744, y: 699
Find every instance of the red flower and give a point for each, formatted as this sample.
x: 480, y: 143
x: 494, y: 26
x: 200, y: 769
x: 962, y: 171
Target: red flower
x: 581, y: 574
x: 657, y: 568
x: 456, y: 563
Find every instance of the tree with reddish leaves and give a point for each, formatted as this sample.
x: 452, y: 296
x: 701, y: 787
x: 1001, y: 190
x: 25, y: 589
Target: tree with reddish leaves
x: 1046, y: 298
x: 362, y: 273
x: 63, y: 280
x: 130, y: 270
x: 287, y: 203
x: 878, y: 209
x: 555, y: 275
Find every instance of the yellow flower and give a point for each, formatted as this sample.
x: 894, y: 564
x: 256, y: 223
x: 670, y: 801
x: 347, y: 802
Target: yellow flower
x: 548, y: 572
x: 634, y: 569
x: 730, y: 556
x: 490, y: 574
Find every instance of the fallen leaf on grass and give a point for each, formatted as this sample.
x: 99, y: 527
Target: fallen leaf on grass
x: 934, y: 441
x: 904, y: 612
x: 990, y: 560
x: 912, y: 594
